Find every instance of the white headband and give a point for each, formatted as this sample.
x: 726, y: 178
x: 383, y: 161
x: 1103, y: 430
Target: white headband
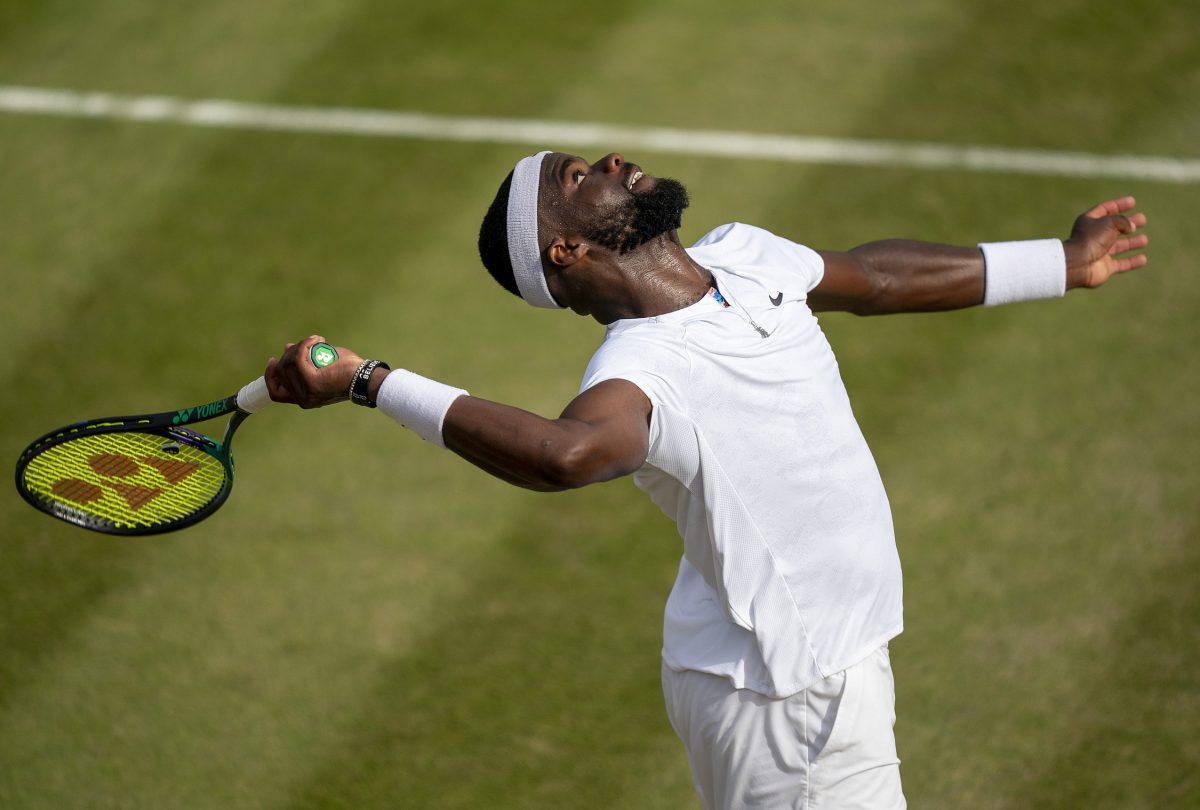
x: 523, y: 249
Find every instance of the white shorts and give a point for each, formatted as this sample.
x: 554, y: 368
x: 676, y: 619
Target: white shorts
x: 829, y: 746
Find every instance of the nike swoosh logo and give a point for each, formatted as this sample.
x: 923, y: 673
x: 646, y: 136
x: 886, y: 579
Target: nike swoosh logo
x: 777, y: 299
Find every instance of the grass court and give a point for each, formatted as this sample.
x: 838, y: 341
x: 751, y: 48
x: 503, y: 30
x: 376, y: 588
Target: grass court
x: 371, y: 622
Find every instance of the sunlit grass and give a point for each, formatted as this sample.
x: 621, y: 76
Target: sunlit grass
x: 370, y: 622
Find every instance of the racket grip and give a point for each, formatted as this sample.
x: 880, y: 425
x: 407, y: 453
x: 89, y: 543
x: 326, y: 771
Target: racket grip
x: 254, y: 397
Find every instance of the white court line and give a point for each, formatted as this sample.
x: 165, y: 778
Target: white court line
x: 711, y: 143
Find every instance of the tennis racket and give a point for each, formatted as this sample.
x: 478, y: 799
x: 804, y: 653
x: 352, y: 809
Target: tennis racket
x: 144, y: 474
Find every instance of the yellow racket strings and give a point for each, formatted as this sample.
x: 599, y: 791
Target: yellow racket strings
x: 130, y: 480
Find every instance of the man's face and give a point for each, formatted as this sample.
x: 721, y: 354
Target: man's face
x: 616, y: 206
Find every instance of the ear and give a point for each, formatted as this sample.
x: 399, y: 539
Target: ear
x: 565, y: 251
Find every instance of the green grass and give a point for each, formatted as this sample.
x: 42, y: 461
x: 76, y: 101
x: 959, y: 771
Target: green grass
x: 370, y: 622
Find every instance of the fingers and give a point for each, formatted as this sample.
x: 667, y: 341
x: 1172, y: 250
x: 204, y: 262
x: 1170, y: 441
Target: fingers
x: 285, y: 378
x: 1112, y: 207
x: 276, y: 386
x: 1128, y: 224
x: 1122, y: 264
x: 295, y: 378
x: 1115, y: 209
x: 304, y: 346
x: 1132, y: 243
x: 1129, y: 263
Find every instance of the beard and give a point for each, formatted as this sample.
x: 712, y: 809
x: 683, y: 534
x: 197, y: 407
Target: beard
x: 645, y: 216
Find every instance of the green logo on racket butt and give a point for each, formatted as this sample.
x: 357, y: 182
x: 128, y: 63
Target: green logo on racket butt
x: 322, y: 354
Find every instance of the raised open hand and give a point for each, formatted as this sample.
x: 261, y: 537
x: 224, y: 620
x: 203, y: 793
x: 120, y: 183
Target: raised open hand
x: 1099, y: 238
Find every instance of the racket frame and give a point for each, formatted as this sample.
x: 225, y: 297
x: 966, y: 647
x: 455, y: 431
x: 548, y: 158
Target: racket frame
x: 170, y: 425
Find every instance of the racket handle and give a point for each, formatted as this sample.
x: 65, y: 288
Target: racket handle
x: 254, y: 397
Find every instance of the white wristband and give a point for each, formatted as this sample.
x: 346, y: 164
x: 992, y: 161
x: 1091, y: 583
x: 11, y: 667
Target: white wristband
x: 418, y: 403
x: 1023, y: 271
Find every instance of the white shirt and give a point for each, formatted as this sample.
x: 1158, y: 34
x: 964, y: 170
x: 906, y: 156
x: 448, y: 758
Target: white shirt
x: 790, y: 571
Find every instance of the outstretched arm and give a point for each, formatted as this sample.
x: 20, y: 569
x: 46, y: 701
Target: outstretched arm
x: 906, y: 276
x: 602, y: 434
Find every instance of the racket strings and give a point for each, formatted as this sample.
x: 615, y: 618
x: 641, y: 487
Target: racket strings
x: 128, y: 480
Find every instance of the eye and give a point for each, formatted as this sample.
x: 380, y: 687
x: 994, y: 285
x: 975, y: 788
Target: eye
x: 578, y: 176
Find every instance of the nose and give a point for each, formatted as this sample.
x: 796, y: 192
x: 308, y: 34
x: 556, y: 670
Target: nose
x: 610, y: 163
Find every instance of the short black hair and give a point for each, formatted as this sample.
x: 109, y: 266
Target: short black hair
x: 493, y: 240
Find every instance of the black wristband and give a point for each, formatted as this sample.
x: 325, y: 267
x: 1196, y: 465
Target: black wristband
x: 362, y: 380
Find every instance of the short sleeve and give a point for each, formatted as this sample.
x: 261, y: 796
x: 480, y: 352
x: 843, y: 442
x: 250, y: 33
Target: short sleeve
x: 655, y: 363
x: 747, y: 248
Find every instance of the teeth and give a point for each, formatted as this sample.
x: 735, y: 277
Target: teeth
x: 636, y: 176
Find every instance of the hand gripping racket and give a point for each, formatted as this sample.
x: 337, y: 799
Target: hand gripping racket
x: 141, y: 474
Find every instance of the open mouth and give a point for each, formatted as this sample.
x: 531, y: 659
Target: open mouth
x: 633, y: 178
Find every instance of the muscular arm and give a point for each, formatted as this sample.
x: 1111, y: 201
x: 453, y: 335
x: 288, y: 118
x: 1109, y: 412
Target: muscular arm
x: 899, y: 275
x: 602, y: 434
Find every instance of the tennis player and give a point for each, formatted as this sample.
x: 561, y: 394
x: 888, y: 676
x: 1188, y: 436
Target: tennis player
x: 716, y: 389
